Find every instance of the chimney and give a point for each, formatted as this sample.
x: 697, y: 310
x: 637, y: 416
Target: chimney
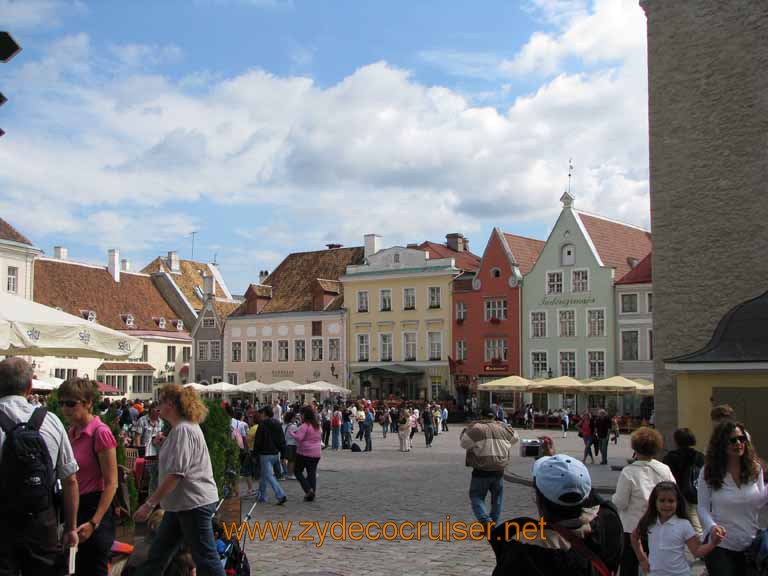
x: 173, y: 261
x: 60, y: 253
x: 113, y: 263
x: 209, y: 286
x: 455, y: 242
x: 372, y: 244
x: 125, y: 265
x: 333, y: 246
x: 263, y: 276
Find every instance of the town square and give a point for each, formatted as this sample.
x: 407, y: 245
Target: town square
x: 325, y: 289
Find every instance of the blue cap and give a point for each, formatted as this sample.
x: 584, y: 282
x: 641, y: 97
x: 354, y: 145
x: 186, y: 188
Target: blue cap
x: 562, y: 479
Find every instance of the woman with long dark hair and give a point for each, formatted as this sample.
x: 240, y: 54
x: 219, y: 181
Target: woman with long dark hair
x: 731, y: 494
x: 308, y: 448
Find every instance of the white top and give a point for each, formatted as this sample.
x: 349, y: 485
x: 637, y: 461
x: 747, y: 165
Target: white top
x: 289, y: 439
x: 735, y: 509
x: 277, y: 412
x: 634, y: 487
x: 666, y: 547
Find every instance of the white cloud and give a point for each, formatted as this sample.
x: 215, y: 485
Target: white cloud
x: 27, y: 14
x: 146, y: 55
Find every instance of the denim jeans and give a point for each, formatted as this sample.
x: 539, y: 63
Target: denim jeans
x: 191, y: 528
x: 336, y: 438
x: 367, y: 436
x: 268, y: 476
x: 603, y: 450
x: 478, y: 489
x: 384, y: 429
x: 587, y: 448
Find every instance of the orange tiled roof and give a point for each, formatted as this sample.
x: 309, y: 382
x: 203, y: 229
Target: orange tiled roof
x: 616, y: 242
x: 224, y: 308
x: 125, y: 367
x: 77, y: 287
x: 293, y: 279
x: 332, y: 286
x: 8, y: 232
x: 189, y: 277
x: 525, y: 250
x: 640, y: 274
x: 464, y: 260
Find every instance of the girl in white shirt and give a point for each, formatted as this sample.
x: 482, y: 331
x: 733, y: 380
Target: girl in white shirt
x: 731, y: 494
x: 666, y: 526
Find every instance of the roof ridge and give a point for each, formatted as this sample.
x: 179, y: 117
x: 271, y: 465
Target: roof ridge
x: 326, y: 250
x: 75, y: 262
x: 612, y: 220
x: 523, y: 237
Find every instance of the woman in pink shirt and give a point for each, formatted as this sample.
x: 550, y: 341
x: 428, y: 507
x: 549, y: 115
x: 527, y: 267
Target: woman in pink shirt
x: 308, y: 447
x: 94, y: 447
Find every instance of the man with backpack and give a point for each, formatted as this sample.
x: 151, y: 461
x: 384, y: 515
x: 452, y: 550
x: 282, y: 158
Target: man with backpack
x: 686, y: 463
x: 582, y: 533
x: 34, y: 453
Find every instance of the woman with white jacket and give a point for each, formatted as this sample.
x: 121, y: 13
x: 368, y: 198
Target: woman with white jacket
x: 634, y: 487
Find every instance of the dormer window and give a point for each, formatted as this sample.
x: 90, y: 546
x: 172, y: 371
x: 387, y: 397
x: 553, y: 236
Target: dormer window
x: 568, y: 255
x: 91, y: 316
x: 199, y: 293
x: 179, y: 325
x: 161, y: 323
x: 129, y: 321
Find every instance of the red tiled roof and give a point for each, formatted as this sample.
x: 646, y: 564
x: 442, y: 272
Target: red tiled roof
x: 259, y: 290
x: 332, y: 286
x: 463, y: 260
x: 293, y: 279
x: 8, y: 232
x: 525, y: 250
x: 224, y: 308
x: 124, y: 367
x: 640, y: 274
x: 76, y: 287
x: 616, y: 242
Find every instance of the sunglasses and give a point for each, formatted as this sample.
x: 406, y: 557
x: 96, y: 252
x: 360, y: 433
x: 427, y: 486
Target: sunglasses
x: 738, y: 440
x: 69, y: 403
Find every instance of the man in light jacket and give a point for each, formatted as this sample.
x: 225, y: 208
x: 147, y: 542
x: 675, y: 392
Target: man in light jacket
x: 489, y: 449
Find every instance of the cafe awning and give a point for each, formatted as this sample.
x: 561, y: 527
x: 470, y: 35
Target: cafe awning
x: 389, y: 370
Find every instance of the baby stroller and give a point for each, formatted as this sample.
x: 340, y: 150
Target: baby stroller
x: 232, y: 556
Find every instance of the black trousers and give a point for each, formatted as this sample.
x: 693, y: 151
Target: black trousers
x: 30, y: 545
x: 308, y: 483
x: 429, y: 434
x: 93, y: 554
x: 722, y: 562
x: 629, y: 564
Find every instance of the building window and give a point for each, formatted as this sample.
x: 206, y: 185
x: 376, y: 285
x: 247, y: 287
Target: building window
x: 13, y: 279
x: 596, y: 361
x: 300, y: 351
x: 629, y: 303
x: 495, y: 309
x: 161, y: 323
x: 629, y: 344
x: 215, y: 379
x: 435, y: 340
x: 650, y: 302
x: 650, y: 344
x: 396, y: 258
x: 409, y: 343
x: 580, y: 281
x: 186, y: 354
x: 362, y: 301
x: 409, y: 298
x: 252, y: 348
x: 208, y: 322
x: 539, y: 364
x: 539, y: 324
x: 232, y: 378
x: 554, y: 282
x: 170, y: 354
x: 567, y: 323
x: 461, y: 350
x: 145, y: 353
x: 434, y: 296
x: 385, y: 348
x: 495, y: 272
x: 385, y: 299
x: 436, y: 382
x: 215, y: 350
x: 317, y: 328
x: 595, y: 323
x: 568, y: 255
x: 202, y: 351
x: 136, y: 384
x: 317, y: 349
x: 122, y: 383
x: 568, y: 364
x: 334, y: 349
x: 495, y: 349
x: 266, y: 351
x: 363, y: 347
x: 461, y: 311
x: 282, y: 350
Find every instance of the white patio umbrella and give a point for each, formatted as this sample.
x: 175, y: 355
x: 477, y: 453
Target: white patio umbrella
x: 195, y: 386
x: 282, y: 386
x: 31, y: 329
x: 252, y: 387
x: 219, y: 388
x: 42, y: 385
x: 319, y: 386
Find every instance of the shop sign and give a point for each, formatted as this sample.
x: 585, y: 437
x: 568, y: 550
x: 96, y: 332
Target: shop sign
x: 566, y: 300
x: 497, y: 368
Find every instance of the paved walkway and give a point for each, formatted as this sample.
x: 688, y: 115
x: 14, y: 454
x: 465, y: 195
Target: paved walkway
x: 426, y: 485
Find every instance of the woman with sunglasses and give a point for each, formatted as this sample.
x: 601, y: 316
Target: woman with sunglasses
x: 94, y: 447
x: 731, y: 493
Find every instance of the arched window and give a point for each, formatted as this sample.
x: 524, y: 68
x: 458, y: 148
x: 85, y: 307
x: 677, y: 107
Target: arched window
x: 495, y: 272
x: 568, y: 255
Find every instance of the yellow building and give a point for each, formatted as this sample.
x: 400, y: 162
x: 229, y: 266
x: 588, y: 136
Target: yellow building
x: 731, y: 369
x: 399, y: 322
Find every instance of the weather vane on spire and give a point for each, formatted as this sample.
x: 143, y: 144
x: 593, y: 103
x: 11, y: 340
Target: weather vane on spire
x: 570, y: 174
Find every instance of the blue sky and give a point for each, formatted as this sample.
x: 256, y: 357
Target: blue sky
x: 272, y: 126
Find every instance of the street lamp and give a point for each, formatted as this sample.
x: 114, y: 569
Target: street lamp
x: 8, y: 49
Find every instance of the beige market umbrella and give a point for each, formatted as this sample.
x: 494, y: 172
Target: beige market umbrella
x: 220, y: 388
x: 644, y: 387
x: 613, y: 384
x: 31, y: 329
x: 281, y: 386
x: 561, y: 384
x: 252, y: 387
x: 508, y: 384
x: 195, y: 386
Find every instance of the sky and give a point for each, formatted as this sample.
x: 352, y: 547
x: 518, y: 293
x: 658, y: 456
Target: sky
x: 275, y: 126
